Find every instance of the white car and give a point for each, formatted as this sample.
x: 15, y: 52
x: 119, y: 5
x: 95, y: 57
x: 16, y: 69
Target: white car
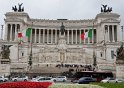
x: 3, y: 79
x: 20, y: 78
x: 120, y: 80
x: 42, y: 79
x: 109, y: 80
x: 36, y: 77
x: 60, y: 79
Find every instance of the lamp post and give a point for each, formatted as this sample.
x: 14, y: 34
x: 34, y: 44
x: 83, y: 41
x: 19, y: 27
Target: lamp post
x: 94, y: 54
x: 30, y: 56
x: 122, y: 32
x: 1, y: 31
x: 94, y: 59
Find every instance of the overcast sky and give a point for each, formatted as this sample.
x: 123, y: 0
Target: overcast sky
x: 67, y: 9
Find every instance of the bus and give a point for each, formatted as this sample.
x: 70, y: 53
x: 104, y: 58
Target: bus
x: 98, y: 75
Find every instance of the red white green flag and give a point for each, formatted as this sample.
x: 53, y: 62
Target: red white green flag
x: 86, y: 35
x: 26, y: 33
x: 19, y: 35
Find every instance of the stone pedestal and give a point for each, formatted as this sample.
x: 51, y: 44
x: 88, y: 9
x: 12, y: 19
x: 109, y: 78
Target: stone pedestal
x: 62, y: 48
x: 120, y: 69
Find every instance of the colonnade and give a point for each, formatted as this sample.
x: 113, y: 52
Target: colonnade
x: 51, y: 36
x: 111, y: 33
x: 11, y: 32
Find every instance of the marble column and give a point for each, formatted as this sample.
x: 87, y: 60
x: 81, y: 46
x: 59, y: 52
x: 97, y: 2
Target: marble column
x: 108, y: 33
x: 76, y: 36
x: 39, y: 36
x: 117, y: 29
x: 31, y: 36
x: 80, y: 36
x: 35, y: 35
x: 72, y: 36
x: 47, y: 36
x: 68, y: 36
x: 11, y: 32
x: 6, y: 31
x: 113, y: 33
x: 92, y: 36
x: 88, y: 37
x: 59, y: 33
x: 51, y: 36
x: 56, y: 36
x: 43, y: 35
x: 16, y: 34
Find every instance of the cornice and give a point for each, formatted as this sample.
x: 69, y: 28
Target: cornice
x: 107, y: 15
x: 14, y: 20
x: 110, y: 20
x: 16, y: 14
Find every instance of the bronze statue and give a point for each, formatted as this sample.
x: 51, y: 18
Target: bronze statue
x: 5, y: 52
x: 14, y: 8
x: 105, y: 9
x: 120, y: 53
x: 104, y: 6
x: 20, y: 8
x: 62, y: 30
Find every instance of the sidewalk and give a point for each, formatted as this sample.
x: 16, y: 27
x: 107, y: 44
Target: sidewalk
x: 61, y: 85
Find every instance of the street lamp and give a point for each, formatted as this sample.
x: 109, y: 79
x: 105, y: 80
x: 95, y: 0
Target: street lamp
x: 30, y: 56
x: 122, y: 32
x: 1, y: 31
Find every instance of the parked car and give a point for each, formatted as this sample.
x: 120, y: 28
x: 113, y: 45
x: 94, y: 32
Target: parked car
x: 20, y: 78
x: 85, y: 80
x: 109, y: 80
x: 3, y: 79
x: 120, y: 80
x: 74, y: 81
x: 42, y: 79
x: 60, y: 79
x: 36, y: 77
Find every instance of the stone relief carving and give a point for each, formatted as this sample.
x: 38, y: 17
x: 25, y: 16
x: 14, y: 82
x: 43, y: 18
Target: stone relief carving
x: 110, y: 20
x: 120, y: 54
x: 5, y: 52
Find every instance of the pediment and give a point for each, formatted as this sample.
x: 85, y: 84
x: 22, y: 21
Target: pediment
x: 111, y: 20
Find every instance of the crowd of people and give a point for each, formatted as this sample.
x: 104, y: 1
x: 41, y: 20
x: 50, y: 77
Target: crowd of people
x: 82, y: 67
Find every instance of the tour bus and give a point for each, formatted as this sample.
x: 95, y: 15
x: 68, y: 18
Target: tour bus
x: 98, y: 75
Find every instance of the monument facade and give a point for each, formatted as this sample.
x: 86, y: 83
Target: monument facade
x: 58, y: 42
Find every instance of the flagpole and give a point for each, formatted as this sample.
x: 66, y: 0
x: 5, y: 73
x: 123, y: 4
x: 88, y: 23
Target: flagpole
x: 18, y: 51
x: 30, y: 56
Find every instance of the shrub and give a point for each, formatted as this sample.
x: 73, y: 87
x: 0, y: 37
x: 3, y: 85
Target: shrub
x: 25, y: 85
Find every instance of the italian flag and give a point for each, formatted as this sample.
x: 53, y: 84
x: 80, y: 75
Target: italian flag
x: 22, y: 36
x: 19, y: 35
x: 26, y: 33
x: 87, y: 34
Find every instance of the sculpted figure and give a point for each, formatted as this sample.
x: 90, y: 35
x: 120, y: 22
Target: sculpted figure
x: 62, y: 29
x: 105, y: 9
x: 14, y: 8
x: 20, y: 8
x: 5, y: 52
x: 120, y: 53
x: 104, y: 6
